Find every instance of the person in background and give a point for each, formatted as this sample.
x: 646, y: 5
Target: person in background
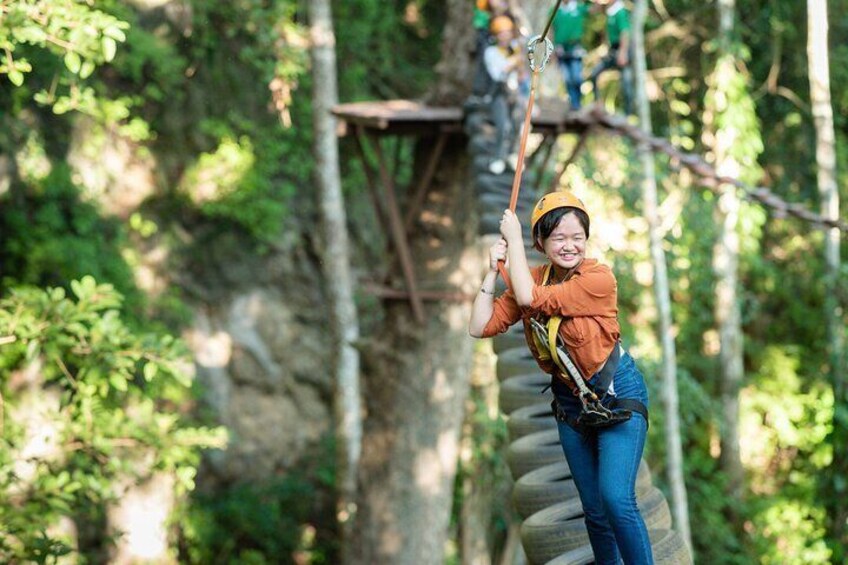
x: 503, y: 64
x: 484, y: 11
x: 619, y: 54
x: 568, y: 39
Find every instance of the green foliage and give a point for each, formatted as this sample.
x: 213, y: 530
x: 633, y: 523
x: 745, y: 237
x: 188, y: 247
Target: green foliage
x: 108, y: 398
x: 55, y: 237
x: 282, y: 520
x: 387, y: 49
x: 787, y: 417
x: 249, y: 182
x: 83, y: 36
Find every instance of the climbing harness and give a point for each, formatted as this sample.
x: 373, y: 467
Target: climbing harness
x: 594, y: 413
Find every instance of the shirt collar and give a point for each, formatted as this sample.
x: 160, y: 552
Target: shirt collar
x: 581, y: 268
x: 585, y: 264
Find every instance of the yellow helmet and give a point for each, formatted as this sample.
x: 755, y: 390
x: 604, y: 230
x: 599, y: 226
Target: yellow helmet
x: 501, y: 23
x: 552, y: 201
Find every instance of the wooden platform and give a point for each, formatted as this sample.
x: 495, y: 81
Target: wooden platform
x: 408, y: 117
x: 368, y: 122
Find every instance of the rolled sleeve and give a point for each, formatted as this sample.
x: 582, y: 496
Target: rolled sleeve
x: 506, y: 312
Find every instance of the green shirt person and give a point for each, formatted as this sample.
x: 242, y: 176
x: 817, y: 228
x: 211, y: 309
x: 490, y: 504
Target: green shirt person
x: 618, y: 30
x: 618, y: 56
x: 568, y: 23
x: 568, y: 37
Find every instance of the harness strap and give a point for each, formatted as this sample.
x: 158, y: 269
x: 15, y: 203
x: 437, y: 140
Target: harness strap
x: 608, y: 371
x: 623, y: 406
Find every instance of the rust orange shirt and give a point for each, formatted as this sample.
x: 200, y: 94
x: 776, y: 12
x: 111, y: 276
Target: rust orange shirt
x: 588, y: 304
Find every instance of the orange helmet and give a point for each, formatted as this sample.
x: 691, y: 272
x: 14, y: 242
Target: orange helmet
x: 501, y: 23
x: 552, y: 201
x: 482, y: 4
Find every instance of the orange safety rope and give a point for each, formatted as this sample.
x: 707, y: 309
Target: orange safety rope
x: 525, y: 132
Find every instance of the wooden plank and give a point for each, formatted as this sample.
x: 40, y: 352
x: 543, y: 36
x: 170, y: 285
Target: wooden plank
x: 428, y: 295
x: 424, y: 182
x: 408, y: 117
x: 358, y: 138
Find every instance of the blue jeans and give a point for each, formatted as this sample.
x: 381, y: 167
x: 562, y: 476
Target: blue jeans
x: 604, y: 464
x: 572, y: 74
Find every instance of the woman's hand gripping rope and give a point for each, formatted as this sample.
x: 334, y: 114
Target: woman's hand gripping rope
x: 497, y: 253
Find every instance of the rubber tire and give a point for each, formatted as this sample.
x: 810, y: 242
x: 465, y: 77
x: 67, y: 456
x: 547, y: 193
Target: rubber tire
x: 530, y: 419
x: 498, y: 201
x: 481, y: 145
x: 510, y: 339
x: 516, y: 361
x: 474, y: 123
x: 551, y: 485
x: 534, y: 451
x: 560, y: 528
x: 490, y: 225
x: 542, y: 488
x: 480, y: 164
x: 667, y: 546
x: 582, y: 555
x: 524, y: 390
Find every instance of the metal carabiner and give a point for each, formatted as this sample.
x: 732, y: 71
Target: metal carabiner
x: 531, y: 52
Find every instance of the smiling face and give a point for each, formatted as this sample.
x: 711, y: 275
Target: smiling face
x: 566, y: 246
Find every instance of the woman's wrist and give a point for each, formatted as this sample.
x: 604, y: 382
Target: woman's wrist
x: 488, y: 284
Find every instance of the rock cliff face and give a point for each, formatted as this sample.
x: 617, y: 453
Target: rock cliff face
x: 259, y: 330
x: 261, y: 365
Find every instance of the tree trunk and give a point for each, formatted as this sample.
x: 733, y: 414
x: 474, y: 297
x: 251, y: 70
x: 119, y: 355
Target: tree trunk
x: 344, y: 324
x: 418, y: 374
x: 416, y: 387
x: 818, y: 64
x: 676, y: 481
x: 726, y: 267
x: 480, y: 492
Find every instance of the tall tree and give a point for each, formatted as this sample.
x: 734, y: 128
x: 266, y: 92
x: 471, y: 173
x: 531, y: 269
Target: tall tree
x: 819, y: 73
x: 723, y: 134
x: 336, y: 264
x: 676, y: 480
x: 418, y: 377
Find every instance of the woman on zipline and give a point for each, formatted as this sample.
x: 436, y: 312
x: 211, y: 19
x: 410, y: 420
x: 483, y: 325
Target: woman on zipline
x: 569, y: 311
